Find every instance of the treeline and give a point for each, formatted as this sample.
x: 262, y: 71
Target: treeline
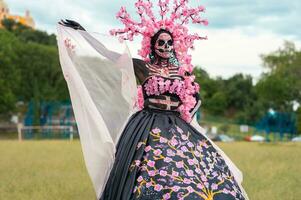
x: 30, y: 71
x: 29, y: 67
x: 246, y: 102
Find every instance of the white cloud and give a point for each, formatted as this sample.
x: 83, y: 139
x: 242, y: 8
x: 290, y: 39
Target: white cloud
x: 238, y: 32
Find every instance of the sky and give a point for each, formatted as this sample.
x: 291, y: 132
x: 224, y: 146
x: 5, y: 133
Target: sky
x: 239, y: 31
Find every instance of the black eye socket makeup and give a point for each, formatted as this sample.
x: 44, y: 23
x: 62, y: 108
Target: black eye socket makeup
x: 163, y: 42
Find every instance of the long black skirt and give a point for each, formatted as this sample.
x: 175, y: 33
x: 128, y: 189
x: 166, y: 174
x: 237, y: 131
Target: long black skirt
x: 161, y: 156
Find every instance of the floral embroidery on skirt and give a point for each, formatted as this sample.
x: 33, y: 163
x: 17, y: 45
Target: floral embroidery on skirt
x: 178, y: 165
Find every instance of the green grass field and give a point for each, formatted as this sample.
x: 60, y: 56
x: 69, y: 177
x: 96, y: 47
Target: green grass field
x: 48, y: 170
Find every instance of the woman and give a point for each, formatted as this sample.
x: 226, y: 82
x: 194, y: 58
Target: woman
x: 161, y: 153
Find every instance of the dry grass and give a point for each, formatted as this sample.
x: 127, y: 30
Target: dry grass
x: 42, y: 170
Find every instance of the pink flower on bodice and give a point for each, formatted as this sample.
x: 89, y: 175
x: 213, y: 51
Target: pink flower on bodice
x: 185, y: 89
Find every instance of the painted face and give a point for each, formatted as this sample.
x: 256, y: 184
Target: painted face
x: 164, y: 45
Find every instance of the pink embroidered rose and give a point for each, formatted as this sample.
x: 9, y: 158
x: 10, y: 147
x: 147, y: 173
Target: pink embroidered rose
x: 203, y: 178
x: 166, y: 196
x: 151, y: 163
x: 148, y: 148
x: 148, y: 184
x: 190, y: 189
x: 189, y: 172
x: 170, y: 152
x: 184, y: 149
x: 137, y: 163
x: 156, y: 130
x: 200, y: 186
x: 180, y: 164
x: 157, y: 152
x: 190, y: 144
x: 197, y: 170
x: 184, y: 137
x: 158, y: 187
x: 174, y: 173
x: 139, y: 179
x: 174, y: 142
x: 163, y: 140
x: 214, y: 186
x: 190, y: 161
x: 163, y: 172
x: 151, y: 172
x: 186, y: 181
x: 175, y: 188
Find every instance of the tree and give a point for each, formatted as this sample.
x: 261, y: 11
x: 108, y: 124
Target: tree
x: 29, y: 69
x: 281, y: 85
x: 9, y: 72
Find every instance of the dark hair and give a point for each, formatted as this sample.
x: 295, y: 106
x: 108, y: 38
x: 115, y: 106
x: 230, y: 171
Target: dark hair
x: 154, y: 39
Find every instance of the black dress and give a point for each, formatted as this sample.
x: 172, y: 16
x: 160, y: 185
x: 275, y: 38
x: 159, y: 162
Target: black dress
x: 161, y: 156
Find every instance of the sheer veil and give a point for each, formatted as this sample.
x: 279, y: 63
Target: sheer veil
x: 102, y: 89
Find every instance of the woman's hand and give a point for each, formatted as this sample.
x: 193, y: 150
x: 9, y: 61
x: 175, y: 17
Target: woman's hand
x: 72, y: 24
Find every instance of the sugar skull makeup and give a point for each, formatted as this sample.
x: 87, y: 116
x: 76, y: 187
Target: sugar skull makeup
x: 164, y: 45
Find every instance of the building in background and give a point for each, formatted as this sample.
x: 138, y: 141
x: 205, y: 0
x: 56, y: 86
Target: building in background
x: 26, y: 20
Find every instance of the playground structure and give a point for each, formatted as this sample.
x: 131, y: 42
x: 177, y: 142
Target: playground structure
x: 50, y: 119
x: 277, y: 123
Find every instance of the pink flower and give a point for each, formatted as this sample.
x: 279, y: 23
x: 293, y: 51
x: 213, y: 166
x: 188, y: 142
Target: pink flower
x: 189, y: 172
x: 174, y: 142
x: 151, y: 163
x: 148, y: 184
x: 158, y: 187
x: 214, y: 186
x: 184, y: 137
x: 200, y: 186
x: 190, y: 189
x: 184, y: 149
x: 203, y: 178
x: 163, y: 172
x: 151, y: 172
x: 180, y: 164
x: 140, y: 98
x: 166, y: 196
x: 140, y: 178
x: 187, y: 181
x: 175, y: 188
x: 157, y: 152
x: 180, y: 153
x: 156, y: 130
x: 163, y: 140
x: 174, y: 173
x: 197, y: 170
x: 190, y: 161
x: 167, y: 159
x: 137, y: 162
x: 170, y: 152
x: 190, y: 144
x: 148, y: 148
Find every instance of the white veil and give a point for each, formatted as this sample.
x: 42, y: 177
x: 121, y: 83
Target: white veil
x: 102, y: 89
x: 102, y: 86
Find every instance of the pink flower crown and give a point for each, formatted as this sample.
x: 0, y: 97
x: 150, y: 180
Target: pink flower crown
x: 180, y: 15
